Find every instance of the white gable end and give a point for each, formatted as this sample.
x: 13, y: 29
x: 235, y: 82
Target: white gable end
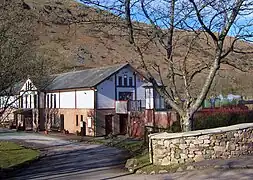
x: 28, y: 85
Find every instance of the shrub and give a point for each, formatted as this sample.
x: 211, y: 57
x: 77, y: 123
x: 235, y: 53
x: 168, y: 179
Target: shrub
x: 218, y: 117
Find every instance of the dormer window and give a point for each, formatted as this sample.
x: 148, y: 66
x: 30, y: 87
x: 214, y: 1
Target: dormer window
x: 120, y: 80
x: 131, y: 81
x: 28, y: 86
x: 125, y: 80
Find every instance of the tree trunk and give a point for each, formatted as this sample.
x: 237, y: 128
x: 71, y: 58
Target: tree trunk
x: 186, y: 122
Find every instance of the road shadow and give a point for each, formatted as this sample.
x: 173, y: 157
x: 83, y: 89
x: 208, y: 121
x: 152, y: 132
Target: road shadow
x: 70, y: 158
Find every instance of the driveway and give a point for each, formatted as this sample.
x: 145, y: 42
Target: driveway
x: 65, y: 160
x: 62, y: 158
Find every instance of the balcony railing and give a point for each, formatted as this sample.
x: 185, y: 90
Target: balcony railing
x: 122, y: 107
x: 135, y: 105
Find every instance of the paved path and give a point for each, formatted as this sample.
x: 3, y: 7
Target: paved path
x: 67, y: 160
x: 64, y: 158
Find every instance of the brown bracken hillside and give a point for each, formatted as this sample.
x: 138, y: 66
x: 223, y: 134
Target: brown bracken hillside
x: 70, y: 35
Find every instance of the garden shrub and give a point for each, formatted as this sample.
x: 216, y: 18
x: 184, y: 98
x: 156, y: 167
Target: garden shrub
x: 219, y: 117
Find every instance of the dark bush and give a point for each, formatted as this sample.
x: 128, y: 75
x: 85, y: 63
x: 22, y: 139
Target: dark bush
x: 219, y: 117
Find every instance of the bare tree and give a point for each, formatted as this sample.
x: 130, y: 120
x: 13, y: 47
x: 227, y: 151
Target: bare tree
x: 194, y: 38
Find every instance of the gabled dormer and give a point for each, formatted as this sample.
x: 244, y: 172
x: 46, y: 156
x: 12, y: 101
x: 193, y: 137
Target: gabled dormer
x: 28, y: 95
x: 28, y: 86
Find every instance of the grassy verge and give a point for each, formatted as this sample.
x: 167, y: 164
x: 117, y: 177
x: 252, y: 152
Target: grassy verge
x: 12, y: 154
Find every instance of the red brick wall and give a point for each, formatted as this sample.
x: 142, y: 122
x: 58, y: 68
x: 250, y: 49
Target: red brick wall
x: 137, y: 121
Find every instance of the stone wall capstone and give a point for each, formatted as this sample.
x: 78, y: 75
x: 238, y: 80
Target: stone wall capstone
x: 194, y: 146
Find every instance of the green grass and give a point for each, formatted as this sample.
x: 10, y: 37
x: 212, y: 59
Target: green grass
x: 144, y: 164
x: 12, y: 154
x: 133, y: 147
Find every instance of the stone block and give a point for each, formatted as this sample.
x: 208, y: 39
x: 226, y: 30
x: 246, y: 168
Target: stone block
x: 180, y: 169
x: 204, y: 137
x: 181, y: 161
x: 165, y: 161
x: 189, y: 160
x: 183, y: 146
x: 198, y: 158
x: 191, y: 155
x: 188, y: 142
x: 152, y: 172
x: 162, y: 171
x: 167, y: 143
x: 183, y: 156
x: 222, y: 143
x: 175, y: 141
x: 219, y: 148
x: 198, y: 141
x: 192, y: 146
x: 131, y: 163
x: 160, y: 142
x: 185, y: 151
x: 173, y: 146
x: 207, y: 141
x: 189, y: 168
x: 177, y: 155
x: 204, y: 145
x: 182, y: 141
x: 198, y: 152
x: 210, y: 152
x: 174, y: 161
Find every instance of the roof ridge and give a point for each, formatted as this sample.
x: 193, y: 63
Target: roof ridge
x: 98, y: 68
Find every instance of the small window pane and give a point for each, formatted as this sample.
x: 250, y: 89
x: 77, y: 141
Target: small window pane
x: 125, y: 81
x: 48, y: 101
x: 76, y: 120
x: 35, y: 101
x: 120, y: 81
x: 130, y: 81
x: 54, y: 100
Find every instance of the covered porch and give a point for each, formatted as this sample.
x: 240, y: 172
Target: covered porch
x: 26, y: 119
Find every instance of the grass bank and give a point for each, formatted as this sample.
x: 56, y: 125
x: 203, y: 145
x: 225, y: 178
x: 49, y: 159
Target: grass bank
x: 12, y: 154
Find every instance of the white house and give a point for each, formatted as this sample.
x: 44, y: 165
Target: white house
x: 97, y: 100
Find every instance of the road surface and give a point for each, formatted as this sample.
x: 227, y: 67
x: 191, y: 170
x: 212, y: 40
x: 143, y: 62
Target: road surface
x: 66, y: 160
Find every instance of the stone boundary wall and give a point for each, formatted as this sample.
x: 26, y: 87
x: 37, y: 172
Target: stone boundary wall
x: 194, y: 146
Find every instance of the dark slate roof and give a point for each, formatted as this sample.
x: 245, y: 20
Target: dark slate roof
x: 82, y: 79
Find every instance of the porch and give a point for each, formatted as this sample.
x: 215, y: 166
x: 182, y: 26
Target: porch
x: 26, y: 119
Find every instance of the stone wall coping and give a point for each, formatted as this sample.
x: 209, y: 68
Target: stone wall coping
x: 166, y: 135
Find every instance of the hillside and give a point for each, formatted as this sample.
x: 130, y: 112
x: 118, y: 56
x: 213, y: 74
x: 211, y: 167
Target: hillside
x: 70, y: 37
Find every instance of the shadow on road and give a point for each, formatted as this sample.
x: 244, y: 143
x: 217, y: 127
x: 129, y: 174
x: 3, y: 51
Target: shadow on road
x: 71, y: 158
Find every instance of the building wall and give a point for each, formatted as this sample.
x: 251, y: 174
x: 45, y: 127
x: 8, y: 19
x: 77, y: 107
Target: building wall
x: 149, y: 98
x: 138, y: 121
x: 140, y: 94
x: 71, y: 123
x: 108, y: 91
x: 67, y: 99
x: 100, y: 121
x: 83, y: 99
x: 106, y: 94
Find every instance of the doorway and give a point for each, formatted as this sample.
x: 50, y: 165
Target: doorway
x: 108, y: 124
x: 62, y: 122
x: 123, y: 118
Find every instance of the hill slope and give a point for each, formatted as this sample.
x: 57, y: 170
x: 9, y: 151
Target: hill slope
x: 71, y: 36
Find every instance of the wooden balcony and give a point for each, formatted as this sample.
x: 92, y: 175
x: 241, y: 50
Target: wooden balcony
x: 123, y: 107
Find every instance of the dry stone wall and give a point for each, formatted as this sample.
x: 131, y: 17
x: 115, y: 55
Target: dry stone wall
x: 194, y: 146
